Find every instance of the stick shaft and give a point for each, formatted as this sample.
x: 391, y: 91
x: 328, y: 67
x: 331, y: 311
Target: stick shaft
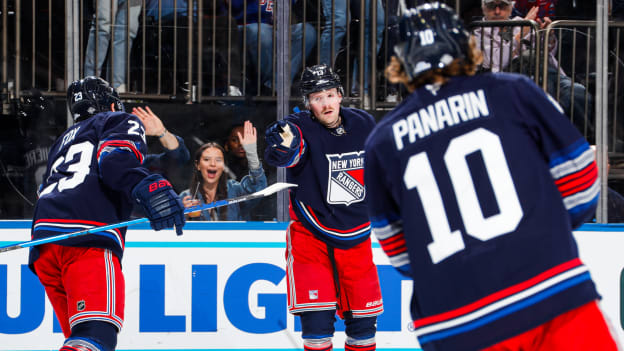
x: 197, y: 208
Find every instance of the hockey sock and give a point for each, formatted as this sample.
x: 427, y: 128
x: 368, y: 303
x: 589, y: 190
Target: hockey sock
x: 362, y: 347
x: 93, y: 335
x: 323, y: 344
x: 360, y: 334
x: 81, y: 344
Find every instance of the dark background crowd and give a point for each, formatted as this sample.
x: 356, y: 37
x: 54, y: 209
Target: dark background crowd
x: 206, y: 71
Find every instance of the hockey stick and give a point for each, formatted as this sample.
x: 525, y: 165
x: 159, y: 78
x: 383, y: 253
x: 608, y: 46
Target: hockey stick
x: 259, y: 194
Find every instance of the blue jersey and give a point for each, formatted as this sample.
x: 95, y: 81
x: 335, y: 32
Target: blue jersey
x: 329, y: 170
x: 92, y: 168
x: 474, y: 188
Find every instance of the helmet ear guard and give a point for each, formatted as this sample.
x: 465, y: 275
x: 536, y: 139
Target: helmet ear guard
x: 91, y: 95
x: 431, y: 36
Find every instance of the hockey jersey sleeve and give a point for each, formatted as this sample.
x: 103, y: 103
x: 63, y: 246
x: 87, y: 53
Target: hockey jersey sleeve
x: 170, y: 158
x: 570, y: 159
x: 121, y: 151
x: 383, y: 212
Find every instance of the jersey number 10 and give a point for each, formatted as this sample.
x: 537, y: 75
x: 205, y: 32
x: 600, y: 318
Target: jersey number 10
x: 418, y: 174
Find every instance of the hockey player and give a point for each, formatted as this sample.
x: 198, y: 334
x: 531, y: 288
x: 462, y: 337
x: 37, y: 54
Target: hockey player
x: 474, y: 186
x: 329, y: 264
x: 94, y: 174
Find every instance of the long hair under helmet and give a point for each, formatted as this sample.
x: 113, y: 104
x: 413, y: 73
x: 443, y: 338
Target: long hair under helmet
x: 431, y: 36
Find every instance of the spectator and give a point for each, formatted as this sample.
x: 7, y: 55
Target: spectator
x: 379, y: 26
x: 500, y: 45
x: 334, y: 19
x: 238, y: 167
x: 176, y: 153
x: 584, y: 10
x: 210, y: 183
x: 38, y: 130
x: 259, y: 21
x: 576, y: 52
x: 545, y: 8
x: 329, y: 259
x: 168, y: 9
x: 615, y: 201
x: 617, y: 10
x: 226, y: 56
x: 615, y: 206
x: 470, y: 10
x: 476, y: 178
x: 236, y: 157
x: 126, y: 18
x: 168, y: 163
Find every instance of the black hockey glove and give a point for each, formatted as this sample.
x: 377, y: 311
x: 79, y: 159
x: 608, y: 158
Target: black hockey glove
x: 160, y: 203
x: 283, y: 141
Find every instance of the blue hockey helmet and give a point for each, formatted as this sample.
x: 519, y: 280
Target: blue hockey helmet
x: 318, y: 78
x: 91, y: 95
x: 431, y: 37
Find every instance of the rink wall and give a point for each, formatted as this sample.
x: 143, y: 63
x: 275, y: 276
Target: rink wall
x: 221, y: 286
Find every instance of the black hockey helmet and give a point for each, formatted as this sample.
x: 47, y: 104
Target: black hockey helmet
x: 91, y: 95
x: 431, y: 36
x: 318, y: 78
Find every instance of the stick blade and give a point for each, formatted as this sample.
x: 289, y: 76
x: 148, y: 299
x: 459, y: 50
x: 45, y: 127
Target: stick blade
x: 273, y: 188
x: 9, y: 248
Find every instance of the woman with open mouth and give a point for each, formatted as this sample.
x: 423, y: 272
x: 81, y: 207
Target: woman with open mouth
x: 210, y: 183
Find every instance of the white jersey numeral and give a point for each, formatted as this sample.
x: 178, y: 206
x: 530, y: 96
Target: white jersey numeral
x: 136, y: 129
x: 426, y: 37
x: 78, y: 169
x: 418, y: 174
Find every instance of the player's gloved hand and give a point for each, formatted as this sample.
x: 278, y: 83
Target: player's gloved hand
x: 160, y: 203
x: 283, y: 141
x: 279, y: 134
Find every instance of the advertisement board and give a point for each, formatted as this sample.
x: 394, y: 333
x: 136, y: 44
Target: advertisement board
x: 222, y: 286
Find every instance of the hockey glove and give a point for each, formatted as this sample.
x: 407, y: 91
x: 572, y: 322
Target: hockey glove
x: 160, y: 203
x: 284, y: 144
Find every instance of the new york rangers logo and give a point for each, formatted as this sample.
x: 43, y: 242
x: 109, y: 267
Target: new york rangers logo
x: 346, y: 178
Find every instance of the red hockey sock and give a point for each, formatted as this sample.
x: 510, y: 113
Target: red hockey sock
x: 321, y: 346
x: 328, y: 348
x: 369, y: 347
x: 71, y: 348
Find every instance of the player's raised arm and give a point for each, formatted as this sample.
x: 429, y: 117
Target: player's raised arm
x: 175, y: 150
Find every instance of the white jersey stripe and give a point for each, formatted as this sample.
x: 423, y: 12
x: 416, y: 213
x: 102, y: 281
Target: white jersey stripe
x: 501, y: 303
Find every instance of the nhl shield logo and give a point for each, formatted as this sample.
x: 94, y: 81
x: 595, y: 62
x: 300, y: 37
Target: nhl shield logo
x: 313, y: 294
x: 346, y: 178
